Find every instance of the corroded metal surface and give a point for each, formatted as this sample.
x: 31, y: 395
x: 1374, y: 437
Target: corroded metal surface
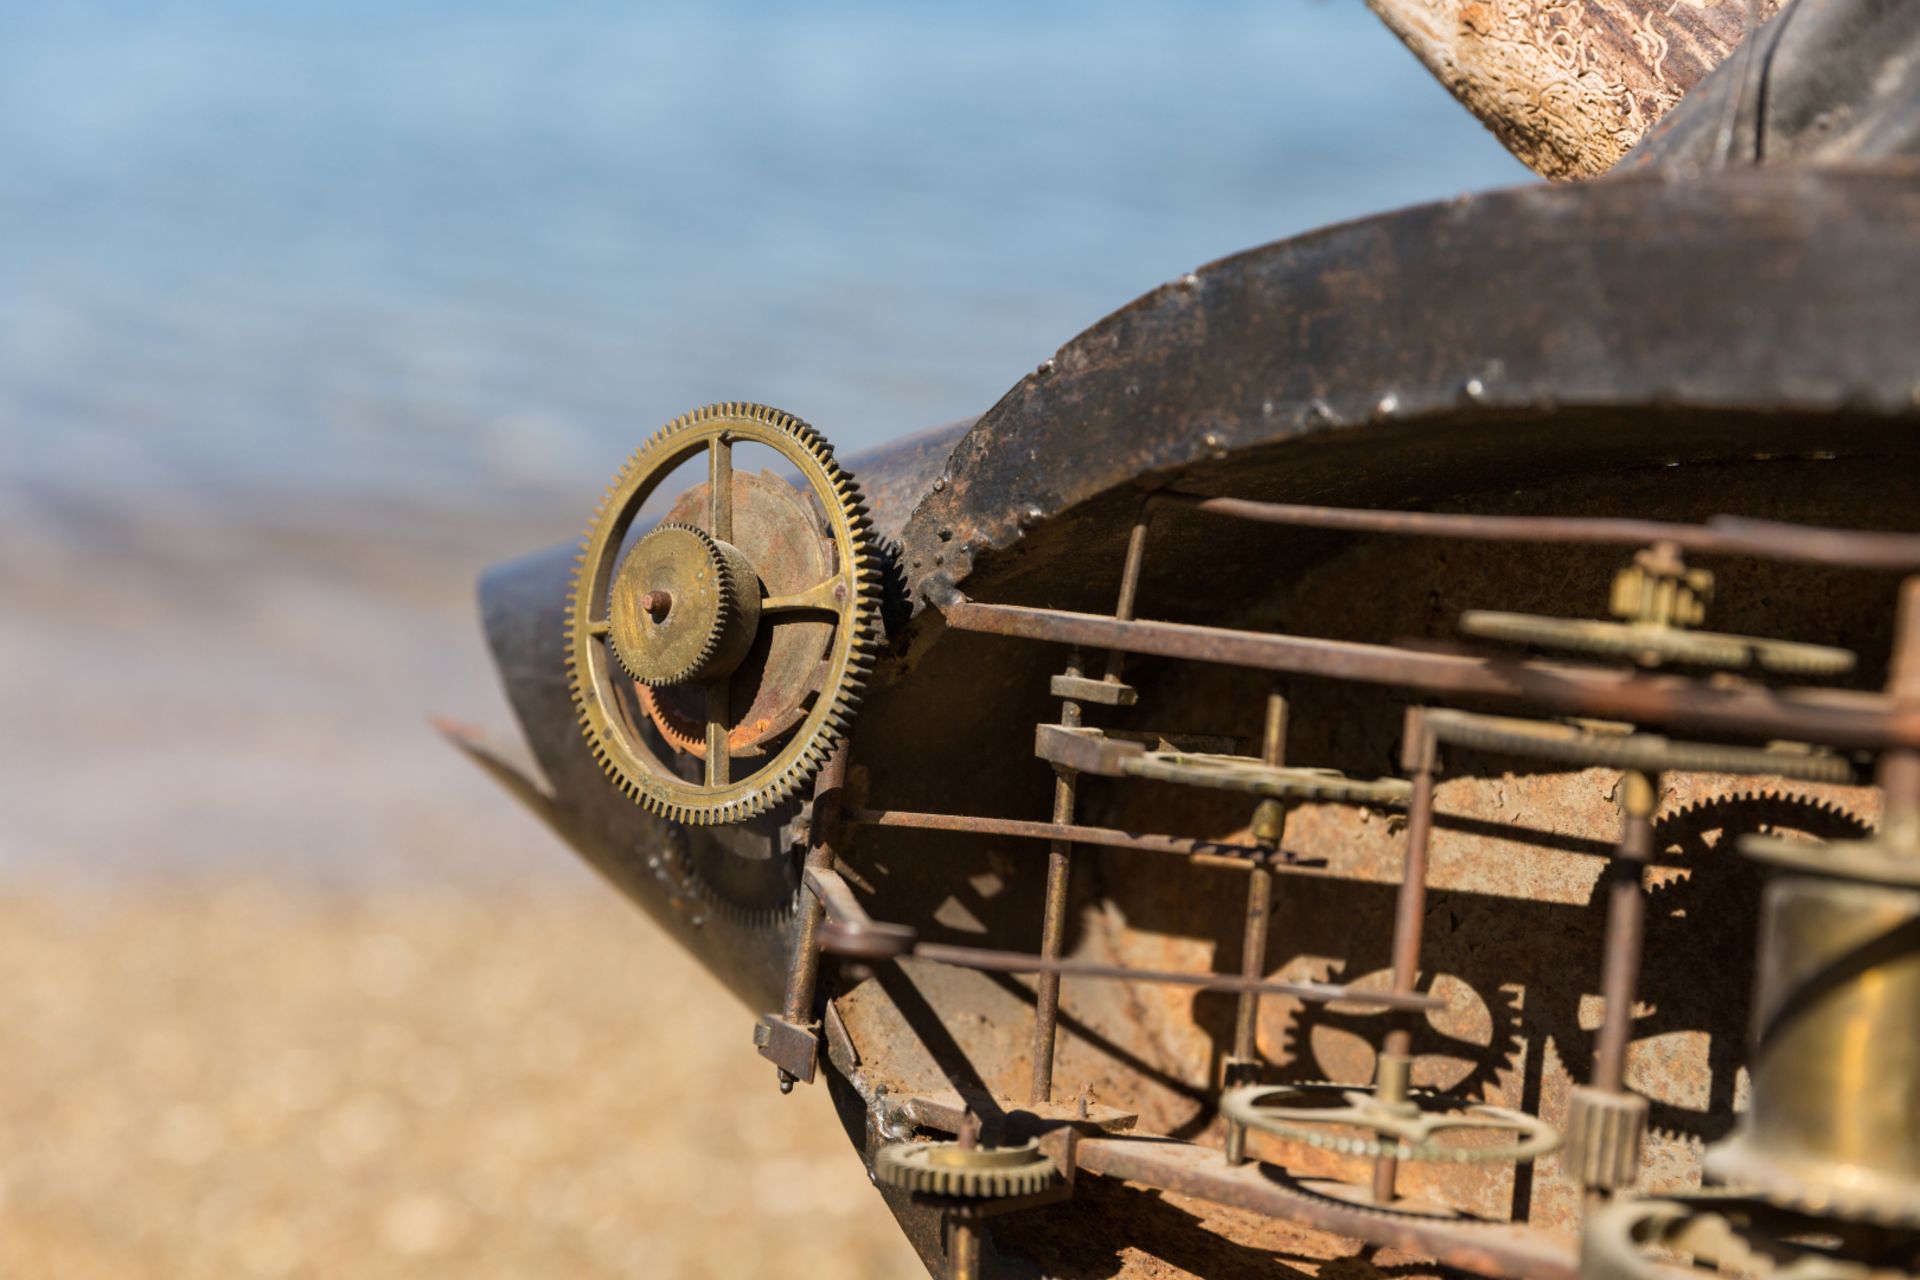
x: 1629, y: 289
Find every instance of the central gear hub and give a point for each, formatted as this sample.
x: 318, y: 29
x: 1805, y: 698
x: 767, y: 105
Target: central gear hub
x: 684, y: 607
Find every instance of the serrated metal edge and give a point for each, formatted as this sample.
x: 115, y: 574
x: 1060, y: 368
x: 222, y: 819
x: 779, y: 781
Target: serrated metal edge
x: 728, y: 600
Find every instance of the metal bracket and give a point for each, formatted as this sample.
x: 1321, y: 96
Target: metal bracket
x: 1106, y: 693
x: 794, y: 1047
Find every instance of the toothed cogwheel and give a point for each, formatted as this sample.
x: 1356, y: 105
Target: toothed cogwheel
x: 1605, y: 1133
x: 678, y: 610
x: 974, y: 1173
x: 1410, y: 1130
x: 685, y: 606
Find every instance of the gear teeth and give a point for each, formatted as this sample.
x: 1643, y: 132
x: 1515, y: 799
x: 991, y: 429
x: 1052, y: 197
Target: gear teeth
x: 1534, y: 1138
x: 1605, y: 1132
x: 728, y: 602
x: 943, y: 1169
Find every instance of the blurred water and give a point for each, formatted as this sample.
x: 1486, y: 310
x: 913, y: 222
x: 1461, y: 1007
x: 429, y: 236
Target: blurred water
x: 457, y: 248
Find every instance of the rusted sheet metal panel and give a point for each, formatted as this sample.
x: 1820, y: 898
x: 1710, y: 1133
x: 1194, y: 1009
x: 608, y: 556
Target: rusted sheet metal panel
x: 1755, y: 289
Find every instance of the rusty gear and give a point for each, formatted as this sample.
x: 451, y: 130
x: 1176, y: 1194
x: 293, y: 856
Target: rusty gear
x: 973, y: 1173
x: 609, y: 613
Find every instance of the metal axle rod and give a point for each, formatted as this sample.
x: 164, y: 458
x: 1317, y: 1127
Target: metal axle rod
x: 1841, y: 717
x: 1722, y: 535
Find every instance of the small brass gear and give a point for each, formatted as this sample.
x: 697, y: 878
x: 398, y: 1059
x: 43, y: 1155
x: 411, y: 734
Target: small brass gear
x: 973, y: 1173
x: 1409, y: 1130
x: 682, y: 606
x: 1605, y: 1134
x: 679, y: 610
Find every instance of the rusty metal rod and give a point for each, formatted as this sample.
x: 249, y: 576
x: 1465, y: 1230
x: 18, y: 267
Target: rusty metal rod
x: 1052, y: 941
x: 1898, y: 772
x: 1053, y: 926
x: 1021, y: 962
x: 1483, y: 1248
x: 1419, y: 757
x: 1129, y: 586
x: 803, y: 966
x: 1626, y: 930
x: 1253, y: 962
x: 1840, y: 717
x: 1020, y: 829
x: 1722, y: 535
x: 963, y: 1248
x: 1269, y: 827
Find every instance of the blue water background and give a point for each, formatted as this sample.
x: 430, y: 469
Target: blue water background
x: 460, y: 250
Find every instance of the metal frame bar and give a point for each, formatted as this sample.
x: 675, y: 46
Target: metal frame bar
x: 1840, y: 717
x: 1890, y: 722
x: 1722, y: 535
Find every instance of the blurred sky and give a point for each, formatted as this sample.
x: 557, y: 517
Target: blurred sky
x: 463, y: 247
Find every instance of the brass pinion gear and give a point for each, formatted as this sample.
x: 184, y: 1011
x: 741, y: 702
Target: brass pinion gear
x: 683, y: 606
x: 973, y: 1173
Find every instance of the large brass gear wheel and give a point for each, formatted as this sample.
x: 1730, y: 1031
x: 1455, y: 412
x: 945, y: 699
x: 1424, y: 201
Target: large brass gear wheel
x: 680, y: 609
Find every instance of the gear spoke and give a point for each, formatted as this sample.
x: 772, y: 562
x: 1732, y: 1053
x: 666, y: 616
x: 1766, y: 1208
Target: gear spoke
x: 827, y: 596
x: 717, y: 760
x: 720, y: 487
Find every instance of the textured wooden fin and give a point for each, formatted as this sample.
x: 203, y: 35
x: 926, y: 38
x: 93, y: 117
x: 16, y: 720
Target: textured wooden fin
x: 1570, y: 85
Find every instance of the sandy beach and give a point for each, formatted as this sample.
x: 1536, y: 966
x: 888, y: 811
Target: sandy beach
x: 254, y: 1081
x: 292, y: 990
